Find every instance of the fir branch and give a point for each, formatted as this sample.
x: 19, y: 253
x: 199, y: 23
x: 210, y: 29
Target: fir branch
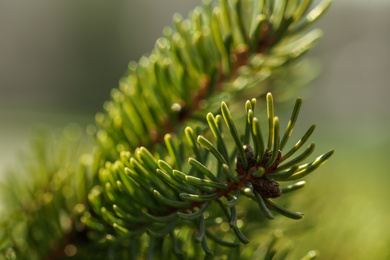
x: 198, y: 58
x: 255, y: 180
x: 145, y: 192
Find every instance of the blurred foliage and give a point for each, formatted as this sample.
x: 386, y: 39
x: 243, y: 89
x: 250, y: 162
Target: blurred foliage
x: 42, y: 195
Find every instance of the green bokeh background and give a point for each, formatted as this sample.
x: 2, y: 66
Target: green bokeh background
x: 59, y: 60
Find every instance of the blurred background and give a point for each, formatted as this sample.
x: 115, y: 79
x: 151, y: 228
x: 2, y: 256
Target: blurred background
x: 60, y: 59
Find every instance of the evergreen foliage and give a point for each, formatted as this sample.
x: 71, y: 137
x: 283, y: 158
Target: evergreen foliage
x: 170, y: 162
